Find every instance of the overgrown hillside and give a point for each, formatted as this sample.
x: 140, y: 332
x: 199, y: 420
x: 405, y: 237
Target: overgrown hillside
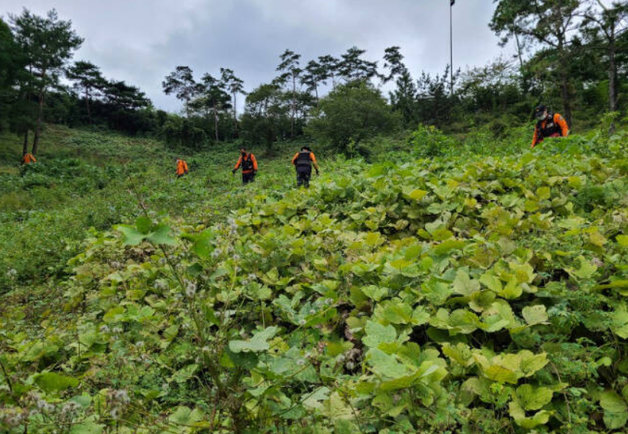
x: 468, y: 292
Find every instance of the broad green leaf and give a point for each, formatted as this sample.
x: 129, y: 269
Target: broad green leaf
x: 258, y: 343
x: 394, y: 311
x: 543, y: 193
x: 615, y: 409
x: 87, y: 427
x: 463, y: 321
x: 533, y: 398
x: 161, y: 235
x: 491, y: 281
x: 518, y: 414
x: 386, y: 365
x: 316, y: 398
x: 597, y: 239
x: 586, y: 270
x: 53, y: 382
x: 420, y: 316
x: 501, y: 374
x: 531, y: 363
x: 523, y: 272
x: 131, y: 236
x: 185, y: 373
x: 535, y: 314
x: 143, y: 224
x: 335, y: 408
x: 184, y: 416
x: 374, y: 292
x: 377, y: 333
x: 460, y: 353
x: 622, y: 240
x: 416, y: 194
x: 464, y: 285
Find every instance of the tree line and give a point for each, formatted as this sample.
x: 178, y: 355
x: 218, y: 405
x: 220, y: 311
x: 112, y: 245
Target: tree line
x: 571, y: 55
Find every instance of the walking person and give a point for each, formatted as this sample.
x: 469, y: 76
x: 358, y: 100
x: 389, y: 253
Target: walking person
x: 182, y: 168
x: 249, y: 166
x: 303, y: 162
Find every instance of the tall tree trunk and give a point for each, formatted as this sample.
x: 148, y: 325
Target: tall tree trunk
x: 292, y: 109
x: 216, y: 122
x: 235, y: 116
x: 89, y: 113
x: 564, y: 83
x: 25, y: 144
x: 612, y: 79
x: 39, y: 121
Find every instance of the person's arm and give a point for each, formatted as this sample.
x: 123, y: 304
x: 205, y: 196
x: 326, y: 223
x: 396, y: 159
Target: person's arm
x: 562, y: 123
x: 295, y: 158
x: 254, y: 162
x: 185, y: 166
x: 535, y: 137
x: 237, y: 166
x: 313, y: 158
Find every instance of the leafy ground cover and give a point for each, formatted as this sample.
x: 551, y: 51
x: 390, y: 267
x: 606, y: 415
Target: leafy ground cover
x: 461, y: 292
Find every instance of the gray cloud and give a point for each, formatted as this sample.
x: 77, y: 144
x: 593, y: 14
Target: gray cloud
x: 141, y: 41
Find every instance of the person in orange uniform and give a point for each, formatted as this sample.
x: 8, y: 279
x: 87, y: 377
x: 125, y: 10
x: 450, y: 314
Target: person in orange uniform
x: 548, y: 125
x: 249, y: 166
x: 28, y: 158
x: 303, y: 162
x: 182, y: 168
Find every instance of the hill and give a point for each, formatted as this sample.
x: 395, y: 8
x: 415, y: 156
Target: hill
x: 468, y: 291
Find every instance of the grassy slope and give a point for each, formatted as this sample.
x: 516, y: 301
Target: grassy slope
x: 346, y: 209
x: 96, y: 180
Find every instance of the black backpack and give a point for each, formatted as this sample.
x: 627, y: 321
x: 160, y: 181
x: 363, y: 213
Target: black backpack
x: 247, y: 164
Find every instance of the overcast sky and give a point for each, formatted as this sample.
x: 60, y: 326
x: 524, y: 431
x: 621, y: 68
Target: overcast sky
x: 141, y: 41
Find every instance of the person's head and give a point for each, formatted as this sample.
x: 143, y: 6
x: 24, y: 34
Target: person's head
x: 305, y: 149
x: 242, y: 151
x: 540, y: 112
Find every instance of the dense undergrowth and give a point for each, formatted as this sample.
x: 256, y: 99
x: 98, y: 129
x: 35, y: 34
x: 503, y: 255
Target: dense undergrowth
x: 440, y: 288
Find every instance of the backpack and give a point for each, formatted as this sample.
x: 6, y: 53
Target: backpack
x: 247, y: 164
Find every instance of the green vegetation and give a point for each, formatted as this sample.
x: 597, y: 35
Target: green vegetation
x: 468, y: 291
x: 439, y: 276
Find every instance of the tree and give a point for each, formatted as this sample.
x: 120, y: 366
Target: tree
x: 608, y: 22
x: 403, y: 98
x: 181, y: 83
x: 88, y: 78
x: 48, y: 44
x: 393, y: 61
x: 11, y: 64
x: 435, y: 103
x: 549, y: 22
x: 17, y: 109
x: 234, y: 85
x: 351, y: 113
x: 329, y: 67
x: 290, y: 67
x: 314, y: 74
x: 265, y: 115
x: 213, y: 98
x: 353, y: 67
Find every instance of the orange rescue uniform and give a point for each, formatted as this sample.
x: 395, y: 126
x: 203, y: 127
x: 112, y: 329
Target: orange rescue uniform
x: 555, y: 126
x: 28, y: 158
x: 182, y: 167
x: 248, y: 167
x: 312, y: 159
